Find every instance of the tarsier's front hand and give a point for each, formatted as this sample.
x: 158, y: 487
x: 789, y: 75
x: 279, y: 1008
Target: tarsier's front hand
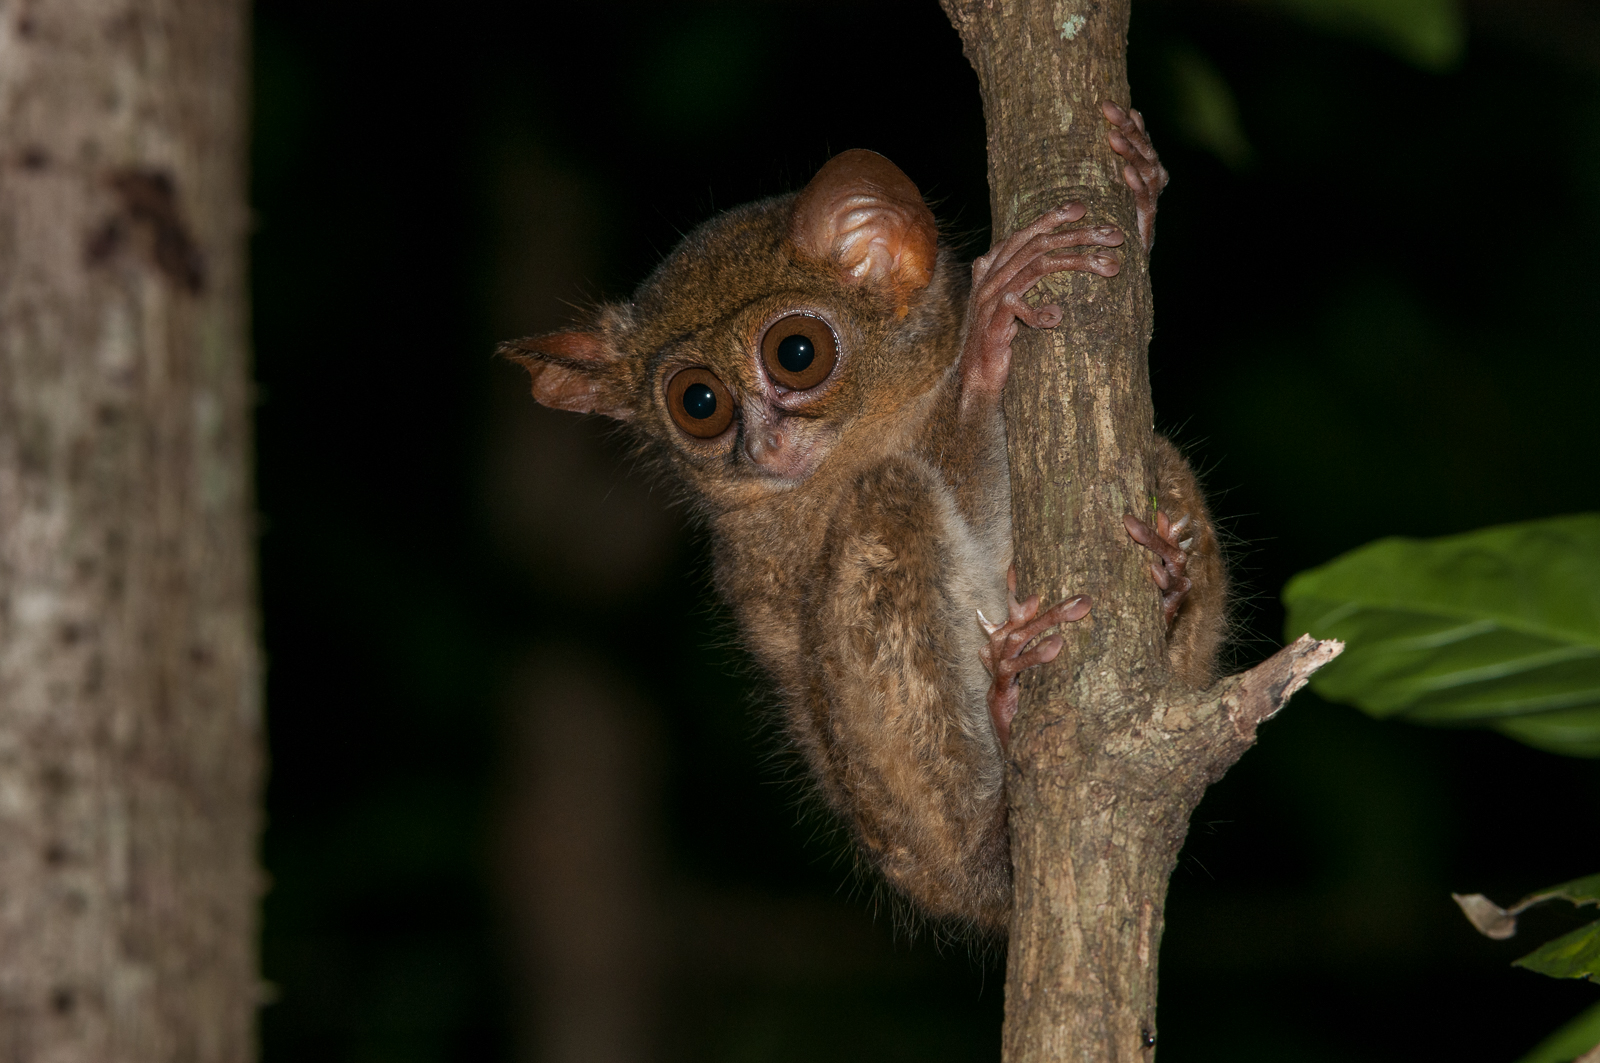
x: 1008, y: 272
x: 1142, y: 170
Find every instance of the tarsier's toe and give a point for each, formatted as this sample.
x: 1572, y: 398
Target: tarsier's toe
x: 1008, y: 652
x: 1169, y: 573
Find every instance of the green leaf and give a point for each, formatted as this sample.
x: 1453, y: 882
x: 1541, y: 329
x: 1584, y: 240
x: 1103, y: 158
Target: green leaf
x: 1570, y: 1041
x: 1579, y: 891
x: 1498, y: 627
x: 1427, y: 33
x: 1574, y: 955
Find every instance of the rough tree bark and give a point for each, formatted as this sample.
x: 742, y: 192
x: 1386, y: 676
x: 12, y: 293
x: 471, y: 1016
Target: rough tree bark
x: 1109, y: 756
x: 130, y: 758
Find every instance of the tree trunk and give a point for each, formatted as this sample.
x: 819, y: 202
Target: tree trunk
x: 130, y: 758
x: 1109, y: 756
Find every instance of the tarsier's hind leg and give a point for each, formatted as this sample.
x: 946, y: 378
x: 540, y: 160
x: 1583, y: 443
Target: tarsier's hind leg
x: 1188, y: 567
x: 901, y: 743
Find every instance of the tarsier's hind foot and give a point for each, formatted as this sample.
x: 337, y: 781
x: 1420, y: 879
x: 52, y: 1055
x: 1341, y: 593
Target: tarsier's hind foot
x: 1008, y: 654
x: 1170, y: 541
x: 1187, y: 568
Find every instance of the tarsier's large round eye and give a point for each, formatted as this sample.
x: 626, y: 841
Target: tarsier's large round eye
x: 799, y: 351
x: 699, y: 402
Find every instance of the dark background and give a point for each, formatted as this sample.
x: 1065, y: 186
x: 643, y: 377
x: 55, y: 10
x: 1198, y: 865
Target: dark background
x: 526, y: 799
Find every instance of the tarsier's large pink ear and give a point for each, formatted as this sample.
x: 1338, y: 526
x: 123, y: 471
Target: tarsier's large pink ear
x: 577, y: 371
x: 865, y: 216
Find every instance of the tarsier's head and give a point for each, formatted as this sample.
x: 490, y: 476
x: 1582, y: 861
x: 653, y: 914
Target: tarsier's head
x: 771, y: 334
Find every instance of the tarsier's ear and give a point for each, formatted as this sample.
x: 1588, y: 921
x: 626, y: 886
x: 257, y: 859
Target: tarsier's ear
x: 862, y: 214
x: 577, y: 371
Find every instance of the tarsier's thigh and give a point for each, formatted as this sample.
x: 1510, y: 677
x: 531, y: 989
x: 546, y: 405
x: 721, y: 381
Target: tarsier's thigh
x: 902, y: 745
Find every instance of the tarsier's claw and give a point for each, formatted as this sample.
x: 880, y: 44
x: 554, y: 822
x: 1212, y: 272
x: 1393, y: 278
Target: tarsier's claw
x: 1008, y: 653
x: 1170, y: 572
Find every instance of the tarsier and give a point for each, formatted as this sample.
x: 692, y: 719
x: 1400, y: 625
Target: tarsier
x: 826, y: 378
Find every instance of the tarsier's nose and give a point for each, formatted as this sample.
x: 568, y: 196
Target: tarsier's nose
x: 763, y: 443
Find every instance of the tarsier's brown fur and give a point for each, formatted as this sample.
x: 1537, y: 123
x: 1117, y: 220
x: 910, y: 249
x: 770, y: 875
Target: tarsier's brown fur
x: 857, y: 572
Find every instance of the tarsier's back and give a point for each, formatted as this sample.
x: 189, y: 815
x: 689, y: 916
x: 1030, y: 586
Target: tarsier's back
x: 819, y: 371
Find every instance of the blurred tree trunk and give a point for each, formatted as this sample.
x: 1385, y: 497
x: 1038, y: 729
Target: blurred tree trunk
x: 130, y: 744
x: 1108, y: 756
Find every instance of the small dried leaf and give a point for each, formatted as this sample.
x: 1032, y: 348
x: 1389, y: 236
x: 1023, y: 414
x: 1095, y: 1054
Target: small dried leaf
x: 1491, y: 920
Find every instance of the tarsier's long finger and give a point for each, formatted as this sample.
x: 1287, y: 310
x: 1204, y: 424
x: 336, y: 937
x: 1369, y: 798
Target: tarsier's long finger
x: 1041, y: 317
x: 1002, y: 264
x: 1129, y: 129
x: 1143, y: 166
x: 1027, y: 272
x: 1104, y: 265
x: 1046, y: 222
x: 1044, y: 252
x: 1004, y: 274
x: 1070, y: 611
x: 1143, y: 172
x: 1015, y: 610
x: 1135, y: 180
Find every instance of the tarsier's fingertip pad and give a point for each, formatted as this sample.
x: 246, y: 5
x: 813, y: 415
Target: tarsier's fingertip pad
x: 1075, y: 608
